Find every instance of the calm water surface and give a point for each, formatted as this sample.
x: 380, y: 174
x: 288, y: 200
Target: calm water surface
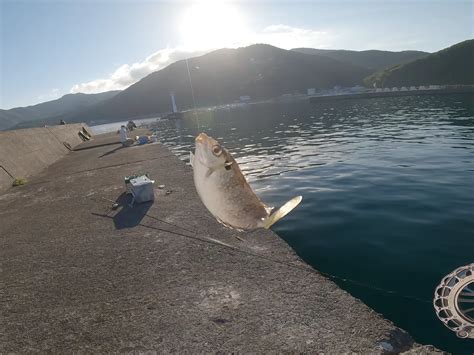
x: 388, y: 187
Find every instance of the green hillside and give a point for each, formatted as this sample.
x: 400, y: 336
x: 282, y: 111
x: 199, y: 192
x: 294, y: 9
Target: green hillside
x: 453, y: 65
x: 371, y: 59
x: 49, y: 112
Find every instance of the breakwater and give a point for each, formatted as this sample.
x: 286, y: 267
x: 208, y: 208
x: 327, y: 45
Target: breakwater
x: 80, y: 276
x: 26, y: 152
x: 381, y: 94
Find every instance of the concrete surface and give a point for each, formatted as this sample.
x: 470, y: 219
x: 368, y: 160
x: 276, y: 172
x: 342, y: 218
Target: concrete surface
x: 25, y: 152
x: 77, y: 276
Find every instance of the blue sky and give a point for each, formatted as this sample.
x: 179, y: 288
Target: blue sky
x: 51, y: 48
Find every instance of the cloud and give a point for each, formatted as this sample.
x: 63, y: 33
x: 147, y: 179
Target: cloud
x: 128, y: 74
x: 282, y: 36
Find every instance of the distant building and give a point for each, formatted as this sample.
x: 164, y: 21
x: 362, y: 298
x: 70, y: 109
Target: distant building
x: 412, y: 88
x: 394, y: 89
x: 357, y: 88
x: 311, y: 91
x: 386, y: 89
x: 403, y: 88
x: 434, y: 87
x: 422, y: 87
x: 244, y: 98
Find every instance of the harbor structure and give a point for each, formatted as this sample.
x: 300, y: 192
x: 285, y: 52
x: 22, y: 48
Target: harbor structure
x: 162, y: 276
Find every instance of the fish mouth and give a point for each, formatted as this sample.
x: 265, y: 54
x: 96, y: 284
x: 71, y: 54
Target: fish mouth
x: 204, y: 139
x: 204, y: 146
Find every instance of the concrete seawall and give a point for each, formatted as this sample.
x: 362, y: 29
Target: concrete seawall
x: 165, y: 277
x: 26, y: 152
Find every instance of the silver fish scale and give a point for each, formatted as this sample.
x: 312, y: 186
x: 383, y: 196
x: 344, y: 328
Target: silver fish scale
x: 241, y: 207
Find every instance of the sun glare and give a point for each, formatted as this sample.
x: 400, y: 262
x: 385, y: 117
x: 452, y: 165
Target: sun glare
x: 212, y: 24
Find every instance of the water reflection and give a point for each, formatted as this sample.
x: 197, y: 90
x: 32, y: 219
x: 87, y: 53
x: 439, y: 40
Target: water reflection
x: 274, y: 139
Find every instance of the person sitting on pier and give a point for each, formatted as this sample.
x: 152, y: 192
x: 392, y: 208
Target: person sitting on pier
x: 126, y: 142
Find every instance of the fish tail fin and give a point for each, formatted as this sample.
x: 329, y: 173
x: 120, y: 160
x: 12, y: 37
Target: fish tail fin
x: 282, y: 212
x: 191, y: 159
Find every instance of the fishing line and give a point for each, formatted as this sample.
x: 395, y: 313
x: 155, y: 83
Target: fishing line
x: 187, y: 230
x: 291, y: 265
x: 308, y: 268
x: 192, y: 94
x: 217, y: 242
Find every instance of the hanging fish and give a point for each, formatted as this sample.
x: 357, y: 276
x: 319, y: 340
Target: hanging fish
x: 226, y: 193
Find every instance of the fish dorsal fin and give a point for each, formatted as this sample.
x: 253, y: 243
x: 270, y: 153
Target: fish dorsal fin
x: 282, y: 211
x: 191, y: 159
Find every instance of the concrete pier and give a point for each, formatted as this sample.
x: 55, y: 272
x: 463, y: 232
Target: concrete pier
x: 78, y: 276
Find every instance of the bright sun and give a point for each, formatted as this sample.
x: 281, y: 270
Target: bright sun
x: 212, y: 24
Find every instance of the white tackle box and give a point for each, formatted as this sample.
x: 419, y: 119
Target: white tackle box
x: 141, y: 188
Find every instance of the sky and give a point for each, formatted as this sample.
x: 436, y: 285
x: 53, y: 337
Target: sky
x: 52, y: 48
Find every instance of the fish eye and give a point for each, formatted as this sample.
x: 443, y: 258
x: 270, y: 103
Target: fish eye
x: 216, y: 150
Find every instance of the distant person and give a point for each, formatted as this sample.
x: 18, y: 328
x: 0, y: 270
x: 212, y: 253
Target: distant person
x: 62, y: 122
x: 131, y: 126
x: 123, y: 134
x: 126, y: 142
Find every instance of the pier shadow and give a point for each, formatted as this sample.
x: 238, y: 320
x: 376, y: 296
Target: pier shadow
x: 111, y: 151
x: 129, y: 217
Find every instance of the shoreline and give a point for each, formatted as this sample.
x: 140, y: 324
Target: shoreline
x: 383, y: 94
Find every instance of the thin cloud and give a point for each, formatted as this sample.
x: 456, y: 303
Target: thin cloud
x: 52, y: 95
x: 282, y: 36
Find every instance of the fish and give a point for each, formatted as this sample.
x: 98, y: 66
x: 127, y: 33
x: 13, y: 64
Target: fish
x: 226, y: 193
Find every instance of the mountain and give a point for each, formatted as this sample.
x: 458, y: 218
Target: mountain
x: 50, y: 112
x: 452, y: 65
x: 372, y: 59
x: 260, y: 71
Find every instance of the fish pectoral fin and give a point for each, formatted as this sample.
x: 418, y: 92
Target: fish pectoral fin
x: 282, y: 212
x: 191, y: 159
x: 269, y: 209
x: 209, y: 172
